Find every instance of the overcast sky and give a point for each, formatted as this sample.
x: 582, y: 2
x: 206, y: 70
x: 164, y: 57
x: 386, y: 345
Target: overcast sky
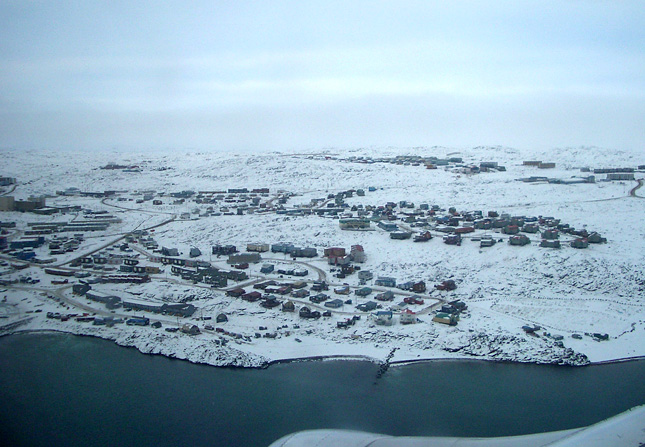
x: 248, y: 76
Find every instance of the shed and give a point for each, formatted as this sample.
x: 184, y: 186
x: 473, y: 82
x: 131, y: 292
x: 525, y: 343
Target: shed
x: 221, y: 318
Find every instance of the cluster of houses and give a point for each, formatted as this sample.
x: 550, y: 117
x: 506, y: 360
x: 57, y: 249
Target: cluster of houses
x: 559, y: 181
x: 234, y: 201
x: 271, y: 294
x: 431, y: 162
x: 449, y: 313
x: 539, y: 164
x: 403, y: 221
x: 618, y: 173
x: 113, y: 302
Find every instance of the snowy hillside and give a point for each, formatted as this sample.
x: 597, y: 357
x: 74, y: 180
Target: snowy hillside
x: 565, y: 291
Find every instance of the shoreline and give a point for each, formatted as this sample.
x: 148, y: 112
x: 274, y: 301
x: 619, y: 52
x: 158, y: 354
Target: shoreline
x: 323, y: 358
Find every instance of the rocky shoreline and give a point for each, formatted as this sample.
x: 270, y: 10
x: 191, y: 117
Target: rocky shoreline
x: 480, y: 347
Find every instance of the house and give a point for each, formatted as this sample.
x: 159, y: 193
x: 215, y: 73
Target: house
x: 110, y: 301
x: 150, y: 306
x: 267, y: 268
x: 550, y: 234
x: 265, y: 284
x: 242, y: 258
x: 483, y: 224
x: 387, y: 226
x: 406, y: 285
x: 80, y: 289
x: 423, y: 237
x: 414, y: 299
x: 354, y: 224
x: 445, y: 318
x: 357, y: 253
x: 367, y: 307
x: 550, y: 244
x: 319, y: 286
x: 237, y: 292
x: 511, y: 229
x: 251, y: 296
x: 453, y: 239
x: 384, y: 318
x: 288, y: 307
x: 344, y: 290
x: 486, y: 242
x: 407, y: 317
x: 519, y: 239
x: 333, y: 252
x: 446, y: 285
x: 339, y: 260
x: 270, y: 302
x: 318, y: 298
x: 308, y: 252
x: 298, y: 285
x: 169, y: 251
x: 385, y: 296
x: 194, y: 252
x: 334, y: 304
x: 400, y: 235
x: 282, y: 247
x: 301, y: 293
x: 530, y: 228
x: 459, y: 305
x: 257, y: 247
x: 365, y: 275
x: 385, y: 281
x: 620, y: 176
x: 580, y: 243
x: 138, y: 322
x: 224, y: 249
x: 149, y: 269
x: 595, y: 238
x: 178, y: 309
x: 363, y: 291
x: 33, y: 242
x: 190, y: 329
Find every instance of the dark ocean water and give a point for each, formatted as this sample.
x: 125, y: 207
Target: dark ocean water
x: 64, y: 390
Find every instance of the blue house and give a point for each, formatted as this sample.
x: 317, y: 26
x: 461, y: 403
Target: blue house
x: 385, y: 281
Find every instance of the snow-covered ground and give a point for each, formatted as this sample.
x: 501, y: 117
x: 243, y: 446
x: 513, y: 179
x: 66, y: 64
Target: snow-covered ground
x: 567, y: 291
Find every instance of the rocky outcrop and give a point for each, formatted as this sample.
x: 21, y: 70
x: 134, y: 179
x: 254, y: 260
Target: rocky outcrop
x: 514, y: 349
